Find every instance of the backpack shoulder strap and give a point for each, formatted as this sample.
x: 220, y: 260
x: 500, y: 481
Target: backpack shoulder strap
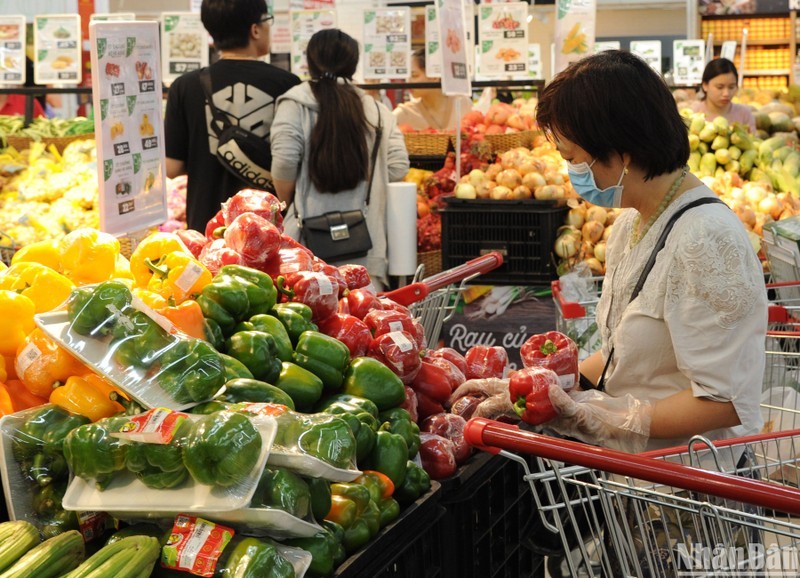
x: 217, y: 114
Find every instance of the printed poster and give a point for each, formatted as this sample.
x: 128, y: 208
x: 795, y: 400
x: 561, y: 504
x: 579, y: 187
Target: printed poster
x: 689, y: 61
x: 649, y: 51
x: 128, y: 123
x: 575, y: 31
x: 455, y: 62
x: 304, y: 24
x: 112, y: 16
x: 184, y: 44
x: 280, y: 34
x: 57, y: 49
x: 433, y: 48
x: 503, y: 39
x: 12, y: 50
x: 387, y: 43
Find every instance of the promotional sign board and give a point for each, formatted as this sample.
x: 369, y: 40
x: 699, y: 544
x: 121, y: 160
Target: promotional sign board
x: 575, y: 31
x: 689, y: 62
x: 503, y: 39
x: 12, y: 50
x: 57, y: 49
x: 434, y: 47
x: 304, y: 24
x: 184, y: 44
x: 455, y: 62
x: 650, y: 51
x: 387, y: 43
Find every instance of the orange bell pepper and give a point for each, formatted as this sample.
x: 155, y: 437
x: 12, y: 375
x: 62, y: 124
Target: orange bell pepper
x: 152, y: 300
x: 6, y: 407
x: 86, y: 396
x: 152, y: 248
x: 8, y: 363
x: 188, y: 317
x: 43, y: 252
x: 21, y: 398
x: 41, y: 364
x: 16, y: 311
x: 45, y: 287
x: 88, y: 256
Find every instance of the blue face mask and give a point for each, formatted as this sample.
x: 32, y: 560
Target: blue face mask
x: 582, y: 179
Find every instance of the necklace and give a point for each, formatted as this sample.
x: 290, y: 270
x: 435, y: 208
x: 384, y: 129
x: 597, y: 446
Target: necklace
x: 636, y: 235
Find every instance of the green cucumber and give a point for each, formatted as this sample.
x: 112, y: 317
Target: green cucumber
x: 128, y: 557
x: 16, y: 538
x: 51, y: 558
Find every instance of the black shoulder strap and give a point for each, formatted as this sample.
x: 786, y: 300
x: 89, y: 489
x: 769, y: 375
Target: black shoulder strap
x: 376, y: 145
x: 217, y: 114
x: 651, y: 261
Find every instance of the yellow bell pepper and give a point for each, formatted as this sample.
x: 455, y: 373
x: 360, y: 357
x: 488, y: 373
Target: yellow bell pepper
x: 45, y: 287
x: 3, y: 266
x: 153, y: 247
x: 152, y: 300
x: 16, y: 311
x: 86, y: 395
x: 89, y: 256
x: 178, y: 276
x: 43, y: 252
x: 42, y: 364
x: 122, y: 270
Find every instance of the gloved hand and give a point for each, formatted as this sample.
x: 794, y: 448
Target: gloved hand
x: 619, y: 423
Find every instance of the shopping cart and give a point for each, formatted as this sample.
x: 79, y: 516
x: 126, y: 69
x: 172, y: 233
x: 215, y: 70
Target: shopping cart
x: 576, y: 318
x: 780, y: 401
x: 433, y: 300
x: 655, y: 514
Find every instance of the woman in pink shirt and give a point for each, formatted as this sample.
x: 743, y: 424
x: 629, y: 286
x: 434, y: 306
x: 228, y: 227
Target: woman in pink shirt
x: 720, y: 84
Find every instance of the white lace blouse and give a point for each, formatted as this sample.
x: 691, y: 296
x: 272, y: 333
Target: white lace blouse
x: 700, y: 319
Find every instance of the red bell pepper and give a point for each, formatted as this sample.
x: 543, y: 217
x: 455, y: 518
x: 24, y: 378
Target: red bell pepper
x: 391, y: 305
x: 194, y: 240
x: 217, y: 254
x: 362, y: 301
x: 398, y: 351
x: 529, y: 389
x: 320, y: 266
x: 264, y: 204
x: 316, y: 290
x: 410, y: 404
x: 356, y: 276
x: 451, y: 427
x: 554, y: 351
x: 437, y: 455
x: 381, y: 321
x: 349, y: 330
x: 437, y: 380
x: 255, y: 238
x: 426, y: 406
x: 484, y: 361
x: 450, y: 355
x: 213, y: 226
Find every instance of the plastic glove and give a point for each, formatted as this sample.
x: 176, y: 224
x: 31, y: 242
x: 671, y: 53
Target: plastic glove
x: 619, y: 423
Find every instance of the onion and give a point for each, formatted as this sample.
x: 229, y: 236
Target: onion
x: 755, y: 194
x: 545, y: 193
x: 509, y: 178
x: 484, y: 189
x: 595, y: 213
x: 576, y: 217
x: 592, y: 231
x: 770, y: 205
x: 465, y: 191
x: 566, y: 246
x: 476, y: 177
x: 493, y: 170
x: 522, y: 192
x: 500, y: 193
x: 596, y: 266
x: 587, y: 249
x: 533, y: 180
x: 611, y: 216
x: 607, y: 233
x: 600, y: 251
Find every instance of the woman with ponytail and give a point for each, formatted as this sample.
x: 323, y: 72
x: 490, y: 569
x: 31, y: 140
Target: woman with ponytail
x: 322, y: 141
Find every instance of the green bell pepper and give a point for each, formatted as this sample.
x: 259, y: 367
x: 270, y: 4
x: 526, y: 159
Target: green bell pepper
x: 295, y: 317
x: 397, y: 420
x: 350, y: 402
x: 250, y: 558
x: 191, y: 370
x: 62, y: 521
x: 362, y: 423
x: 92, y: 453
x: 283, y: 489
x: 160, y: 466
x: 361, y: 521
x: 301, y: 385
x: 222, y: 448
x: 94, y: 311
x: 254, y: 391
x: 380, y: 489
x: 331, y: 441
x: 46, y: 501
x: 415, y: 484
x: 389, y: 456
x: 324, y: 356
x: 272, y: 325
x: 234, y: 368
x: 235, y: 294
x: 337, y: 532
x: 323, y: 547
x: 369, y: 378
x: 213, y: 333
x: 138, y: 341
x: 256, y: 350
x: 390, y: 511
x: 209, y: 407
x: 320, y: 490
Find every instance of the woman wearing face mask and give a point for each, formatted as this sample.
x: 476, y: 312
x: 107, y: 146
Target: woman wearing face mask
x: 720, y: 85
x: 685, y: 355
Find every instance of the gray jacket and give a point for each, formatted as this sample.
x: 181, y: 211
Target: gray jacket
x: 290, y: 136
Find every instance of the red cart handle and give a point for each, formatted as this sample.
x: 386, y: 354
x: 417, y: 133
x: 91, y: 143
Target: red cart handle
x: 419, y: 290
x: 494, y: 436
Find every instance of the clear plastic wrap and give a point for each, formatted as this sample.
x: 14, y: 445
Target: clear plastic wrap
x: 138, y: 349
x: 223, y: 453
x: 554, y: 351
x: 451, y: 427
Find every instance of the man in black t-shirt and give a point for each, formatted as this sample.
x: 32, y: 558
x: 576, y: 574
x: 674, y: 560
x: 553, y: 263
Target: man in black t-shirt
x: 243, y: 86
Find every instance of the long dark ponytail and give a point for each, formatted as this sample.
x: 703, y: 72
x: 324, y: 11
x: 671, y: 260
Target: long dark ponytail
x: 339, y: 158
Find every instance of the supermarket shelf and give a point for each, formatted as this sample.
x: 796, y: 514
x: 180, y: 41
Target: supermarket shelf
x: 751, y: 42
x: 775, y: 72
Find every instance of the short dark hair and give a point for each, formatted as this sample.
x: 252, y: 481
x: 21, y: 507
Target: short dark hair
x: 613, y: 102
x: 717, y: 67
x: 418, y: 56
x: 229, y: 21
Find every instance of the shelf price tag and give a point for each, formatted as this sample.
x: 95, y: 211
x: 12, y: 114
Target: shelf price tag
x: 387, y: 43
x: 503, y: 39
x: 304, y: 23
x: 12, y: 50
x: 184, y: 44
x: 434, y: 47
x: 456, y: 77
x: 57, y: 49
x: 128, y: 125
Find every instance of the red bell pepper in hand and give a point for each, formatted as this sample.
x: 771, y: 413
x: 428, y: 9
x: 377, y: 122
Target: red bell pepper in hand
x: 261, y: 203
x: 398, y: 351
x: 213, y: 230
x: 217, y: 254
x: 349, y: 330
x: 529, y: 390
x: 485, y: 361
x: 316, y: 290
x: 437, y: 380
x: 194, y: 240
x: 554, y: 351
x: 255, y: 238
x: 451, y: 427
x: 361, y: 301
x: 450, y: 355
x: 437, y: 455
x: 356, y: 276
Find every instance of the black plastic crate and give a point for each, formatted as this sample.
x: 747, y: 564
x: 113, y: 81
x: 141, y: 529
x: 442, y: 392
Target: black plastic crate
x: 427, y: 162
x: 409, y: 547
x: 524, y: 231
x: 487, y: 506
